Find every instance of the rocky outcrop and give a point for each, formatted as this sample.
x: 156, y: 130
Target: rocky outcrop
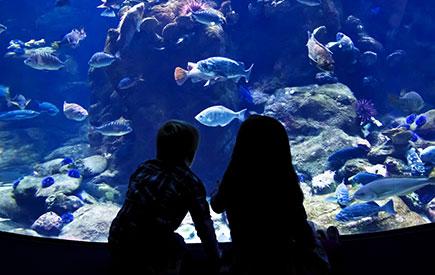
x: 91, y: 223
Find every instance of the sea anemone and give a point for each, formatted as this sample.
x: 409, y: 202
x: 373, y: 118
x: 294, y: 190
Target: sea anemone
x: 67, y: 218
x: 47, y: 182
x: 74, y: 173
x: 192, y: 6
x: 365, y: 110
x: 420, y: 121
x: 67, y: 161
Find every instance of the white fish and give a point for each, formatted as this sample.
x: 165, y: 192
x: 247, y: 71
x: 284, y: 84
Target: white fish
x: 387, y: 187
x: 219, y: 116
x: 310, y: 3
x: 74, y: 111
x: 116, y: 128
x: 44, y: 61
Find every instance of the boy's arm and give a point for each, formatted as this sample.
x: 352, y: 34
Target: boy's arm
x: 200, y: 212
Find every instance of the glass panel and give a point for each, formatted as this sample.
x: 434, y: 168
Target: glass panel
x: 84, y: 90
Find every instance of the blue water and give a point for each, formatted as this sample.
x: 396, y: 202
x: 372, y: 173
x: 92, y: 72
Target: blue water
x: 272, y: 35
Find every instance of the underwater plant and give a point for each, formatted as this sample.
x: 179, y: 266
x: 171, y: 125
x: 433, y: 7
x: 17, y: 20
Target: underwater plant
x: 365, y: 110
x: 67, y: 161
x: 192, y: 6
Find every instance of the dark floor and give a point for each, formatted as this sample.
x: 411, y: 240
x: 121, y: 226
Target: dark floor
x: 405, y: 251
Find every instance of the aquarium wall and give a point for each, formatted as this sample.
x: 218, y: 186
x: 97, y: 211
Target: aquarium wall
x: 85, y: 86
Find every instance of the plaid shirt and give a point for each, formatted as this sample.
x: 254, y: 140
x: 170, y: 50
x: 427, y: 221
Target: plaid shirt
x: 158, y: 198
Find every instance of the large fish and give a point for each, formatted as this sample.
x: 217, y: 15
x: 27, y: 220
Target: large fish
x: 213, y: 69
x: 310, y: 3
x: 219, y: 116
x: 117, y: 128
x: 49, y: 108
x: 209, y: 16
x: 101, y: 60
x: 18, y: 115
x: 318, y: 53
x: 362, y: 210
x: 388, y: 187
x: 44, y: 61
x: 74, y: 111
x: 18, y: 101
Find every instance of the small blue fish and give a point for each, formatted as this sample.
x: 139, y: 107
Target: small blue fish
x: 49, y: 108
x: 67, y: 218
x: 74, y: 173
x: 364, y: 178
x: 362, y: 210
x: 246, y: 94
x: 47, y: 182
x: 129, y: 82
x: 420, y: 121
x: 411, y: 118
x: 18, y: 115
x: 67, y: 161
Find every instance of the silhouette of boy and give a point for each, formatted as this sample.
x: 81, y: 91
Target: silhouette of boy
x: 160, y: 193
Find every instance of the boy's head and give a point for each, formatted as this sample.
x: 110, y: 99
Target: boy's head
x: 177, y: 142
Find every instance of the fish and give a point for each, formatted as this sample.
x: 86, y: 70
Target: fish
x: 387, y: 187
x: 364, y: 178
x: 3, y: 28
x: 246, y: 94
x: 343, y: 42
x: 44, y: 62
x: 4, y: 91
x: 219, y: 116
x: 33, y: 43
x: 428, y: 155
x: 339, y: 158
x: 213, y: 69
x: 18, y: 115
x: 341, y: 196
x: 318, y: 53
x: 116, y: 128
x: 116, y: 4
x: 74, y: 37
x: 18, y: 101
x: 49, y: 108
x: 74, y: 111
x: 363, y: 210
x: 209, y: 16
x: 310, y: 3
x: 129, y: 82
x: 47, y: 182
x: 101, y: 60
x: 129, y: 24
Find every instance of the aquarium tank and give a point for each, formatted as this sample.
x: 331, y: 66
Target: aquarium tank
x: 85, y: 85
